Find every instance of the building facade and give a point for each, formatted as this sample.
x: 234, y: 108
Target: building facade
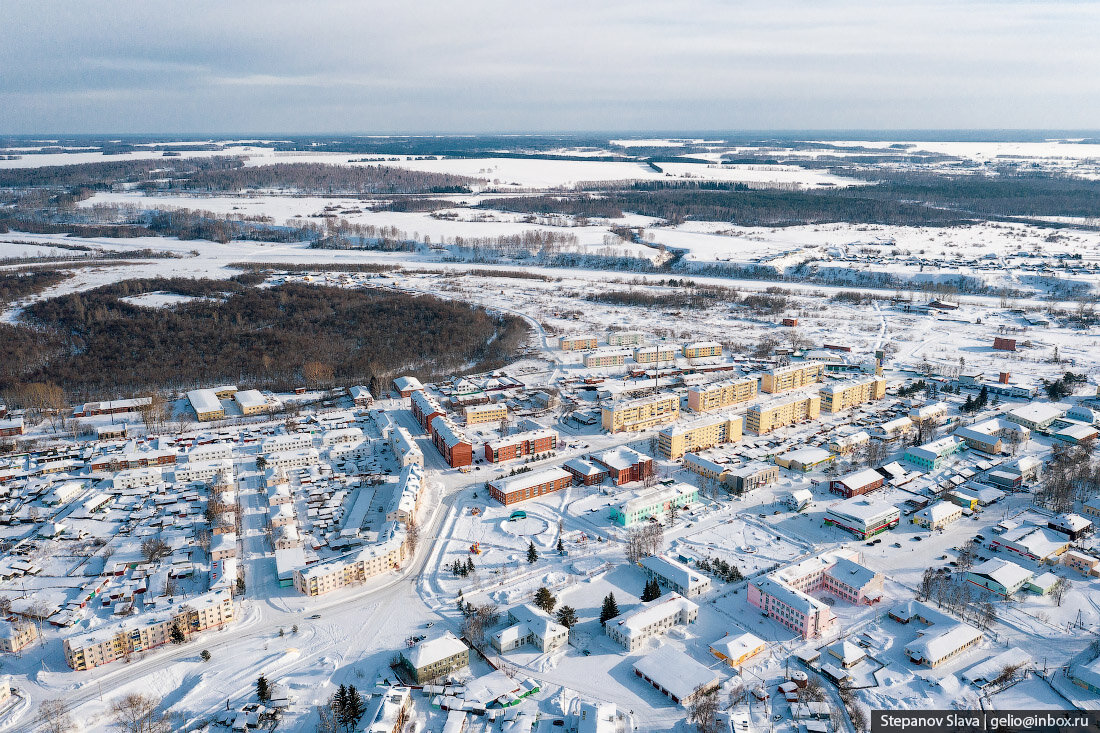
x: 641, y: 413
x: 764, y: 418
x: 792, y: 377
x: 706, y: 398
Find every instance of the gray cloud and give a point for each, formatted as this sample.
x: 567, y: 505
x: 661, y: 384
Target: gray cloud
x: 267, y: 66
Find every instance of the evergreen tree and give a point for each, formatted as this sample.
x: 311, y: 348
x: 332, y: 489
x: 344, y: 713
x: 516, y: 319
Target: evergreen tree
x: 561, y: 547
x: 567, y: 617
x: 610, y: 608
x: 263, y: 689
x: 176, y: 634
x: 339, y: 703
x: 652, y: 591
x: 544, y: 599
x: 354, y: 708
x: 532, y: 553
x: 470, y: 565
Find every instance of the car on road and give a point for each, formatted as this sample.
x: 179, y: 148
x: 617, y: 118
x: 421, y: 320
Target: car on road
x: 315, y: 616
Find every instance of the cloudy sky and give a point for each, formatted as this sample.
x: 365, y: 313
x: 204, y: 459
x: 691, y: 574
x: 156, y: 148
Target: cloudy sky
x: 426, y: 66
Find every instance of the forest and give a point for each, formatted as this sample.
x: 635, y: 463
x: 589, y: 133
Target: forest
x: 325, y: 178
x: 898, y: 198
x: 96, y: 345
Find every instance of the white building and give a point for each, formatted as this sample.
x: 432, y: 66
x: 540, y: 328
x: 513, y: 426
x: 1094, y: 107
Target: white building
x: 529, y: 625
x: 651, y: 619
x: 675, y: 576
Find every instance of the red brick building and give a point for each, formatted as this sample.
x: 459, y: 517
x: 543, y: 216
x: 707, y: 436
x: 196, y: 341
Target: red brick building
x: 625, y: 465
x: 11, y: 427
x: 856, y: 484
x: 515, y: 489
x: 528, y: 443
x: 586, y: 473
x: 455, y: 449
x: 425, y: 408
x: 1001, y: 344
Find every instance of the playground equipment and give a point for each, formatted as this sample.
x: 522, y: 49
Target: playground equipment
x: 475, y: 549
x: 518, y: 514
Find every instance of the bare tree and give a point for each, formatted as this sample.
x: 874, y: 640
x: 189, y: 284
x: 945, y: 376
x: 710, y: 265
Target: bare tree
x: 53, y: 715
x: 155, y: 549
x: 703, y: 710
x: 1059, y: 589
x: 138, y: 713
x: 412, y: 534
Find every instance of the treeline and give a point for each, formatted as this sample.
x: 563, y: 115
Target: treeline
x: 897, y: 198
x: 1009, y: 193
x: 100, y: 175
x: 744, y: 207
x: 692, y: 298
x: 277, y: 338
x: 325, y: 178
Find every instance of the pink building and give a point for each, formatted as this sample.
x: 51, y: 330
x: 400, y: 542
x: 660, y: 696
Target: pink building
x: 784, y: 594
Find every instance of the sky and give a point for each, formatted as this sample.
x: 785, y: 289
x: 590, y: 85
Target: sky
x: 319, y: 66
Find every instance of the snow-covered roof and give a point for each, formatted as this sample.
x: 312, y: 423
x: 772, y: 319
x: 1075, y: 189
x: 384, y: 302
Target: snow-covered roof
x: 633, y: 622
x: 984, y: 672
x: 621, y: 458
x: 434, y: 650
x: 447, y: 432
x: 406, y: 383
x: 1038, y: 412
x: 1072, y: 522
x: 859, y: 479
x: 204, y: 400
x: 847, y: 652
x: 939, y: 511
x: 250, y: 398
x: 806, y: 456
x: 735, y: 647
x: 1004, y: 572
x: 674, y: 571
x: 527, y: 480
x: 935, y: 646
x: 675, y: 671
x: 862, y: 509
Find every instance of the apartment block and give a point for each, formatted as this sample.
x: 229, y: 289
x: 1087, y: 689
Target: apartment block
x: 577, y: 343
x: 655, y: 355
x: 705, y: 432
x: 425, y: 408
x: 640, y: 413
x: 454, y: 448
x: 764, y: 418
x: 792, y: 377
x: 840, y: 396
x: 492, y: 412
x: 625, y: 338
x: 721, y: 394
x: 599, y: 359
x: 702, y: 349
x: 530, y: 442
x: 116, y: 641
x: 331, y: 575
